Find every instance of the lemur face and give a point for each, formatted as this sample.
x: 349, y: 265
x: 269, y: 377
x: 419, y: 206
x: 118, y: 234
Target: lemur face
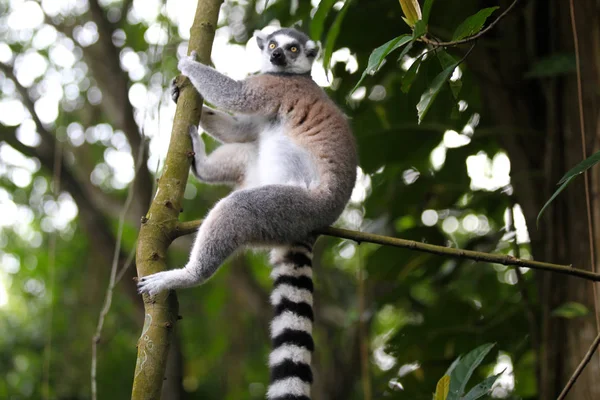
x: 287, y: 50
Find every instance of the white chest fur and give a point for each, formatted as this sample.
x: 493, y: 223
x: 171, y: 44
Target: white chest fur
x: 280, y: 161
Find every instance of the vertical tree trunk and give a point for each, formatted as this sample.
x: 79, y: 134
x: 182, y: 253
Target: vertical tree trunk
x: 578, y: 333
x: 160, y: 223
x: 547, y: 109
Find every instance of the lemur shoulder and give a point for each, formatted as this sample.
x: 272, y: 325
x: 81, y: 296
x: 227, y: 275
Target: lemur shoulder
x: 289, y: 152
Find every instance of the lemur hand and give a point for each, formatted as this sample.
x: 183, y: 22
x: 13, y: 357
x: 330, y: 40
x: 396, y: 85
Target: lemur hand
x: 184, y: 64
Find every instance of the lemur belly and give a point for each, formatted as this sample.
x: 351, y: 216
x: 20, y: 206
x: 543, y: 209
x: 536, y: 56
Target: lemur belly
x: 281, y: 161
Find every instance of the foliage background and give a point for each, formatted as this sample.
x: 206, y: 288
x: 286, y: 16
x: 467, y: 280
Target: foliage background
x: 81, y: 78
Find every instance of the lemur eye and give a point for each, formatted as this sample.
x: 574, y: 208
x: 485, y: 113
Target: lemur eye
x: 293, y: 49
x: 272, y: 46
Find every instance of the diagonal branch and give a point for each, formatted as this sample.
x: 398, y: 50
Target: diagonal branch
x: 474, y: 37
x: 92, y: 219
x: 157, y: 230
x: 580, y: 368
x: 47, y: 148
x: 185, y: 228
x: 27, y: 101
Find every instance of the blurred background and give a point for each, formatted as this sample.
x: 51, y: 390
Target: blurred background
x: 84, y: 94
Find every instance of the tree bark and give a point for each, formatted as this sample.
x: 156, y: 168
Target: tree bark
x: 159, y: 224
x: 172, y: 388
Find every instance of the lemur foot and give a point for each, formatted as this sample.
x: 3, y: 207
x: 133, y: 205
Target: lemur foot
x: 175, y: 91
x: 197, y: 143
x: 173, y: 279
x: 186, y: 63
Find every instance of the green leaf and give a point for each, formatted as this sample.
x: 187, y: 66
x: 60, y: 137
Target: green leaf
x: 581, y: 167
x: 333, y: 33
x: 560, y: 189
x: 453, y: 365
x: 427, y: 10
x: 419, y: 30
x: 405, y: 50
x: 411, y: 74
x: 380, y: 53
x: 569, y: 176
x: 482, y: 388
x: 570, y: 310
x: 442, y: 388
x: 553, y: 65
x: 463, y: 371
x: 473, y: 24
x: 447, y: 60
x: 317, y: 23
x: 432, y: 91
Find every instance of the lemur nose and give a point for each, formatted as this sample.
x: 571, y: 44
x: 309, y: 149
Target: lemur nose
x: 277, y: 53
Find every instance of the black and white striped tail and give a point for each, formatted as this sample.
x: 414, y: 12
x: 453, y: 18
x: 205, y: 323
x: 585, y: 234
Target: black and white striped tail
x: 291, y: 328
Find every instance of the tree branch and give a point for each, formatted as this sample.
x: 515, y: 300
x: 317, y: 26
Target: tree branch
x: 185, y: 228
x: 470, y: 38
x: 159, y: 224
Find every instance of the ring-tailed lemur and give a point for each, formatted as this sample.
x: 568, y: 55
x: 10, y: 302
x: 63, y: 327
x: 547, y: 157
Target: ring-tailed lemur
x: 291, y: 155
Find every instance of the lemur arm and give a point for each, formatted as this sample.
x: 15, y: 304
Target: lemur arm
x: 223, y: 91
x: 228, y: 128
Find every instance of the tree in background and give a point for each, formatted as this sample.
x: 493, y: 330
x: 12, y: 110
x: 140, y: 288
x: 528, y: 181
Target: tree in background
x: 83, y: 83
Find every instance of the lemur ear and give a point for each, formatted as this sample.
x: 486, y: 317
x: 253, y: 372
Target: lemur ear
x: 312, y: 49
x: 261, y: 38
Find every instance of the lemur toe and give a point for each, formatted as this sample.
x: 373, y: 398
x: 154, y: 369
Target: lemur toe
x: 193, y: 130
x: 151, y: 284
x: 174, y: 90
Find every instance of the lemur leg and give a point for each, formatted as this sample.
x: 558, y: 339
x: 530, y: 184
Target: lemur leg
x: 227, y: 164
x: 267, y: 215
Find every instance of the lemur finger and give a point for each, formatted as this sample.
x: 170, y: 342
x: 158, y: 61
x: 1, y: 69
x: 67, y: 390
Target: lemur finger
x: 175, y: 91
x: 194, y: 55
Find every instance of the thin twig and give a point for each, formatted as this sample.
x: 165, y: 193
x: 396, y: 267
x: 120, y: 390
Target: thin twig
x: 584, y: 151
x: 363, y: 335
x: 113, y: 273
x: 188, y: 227
x: 128, y: 263
x: 527, y: 303
x: 580, y: 368
x: 470, y: 38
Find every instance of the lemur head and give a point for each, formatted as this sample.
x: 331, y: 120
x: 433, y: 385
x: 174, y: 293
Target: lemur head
x: 286, y: 50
